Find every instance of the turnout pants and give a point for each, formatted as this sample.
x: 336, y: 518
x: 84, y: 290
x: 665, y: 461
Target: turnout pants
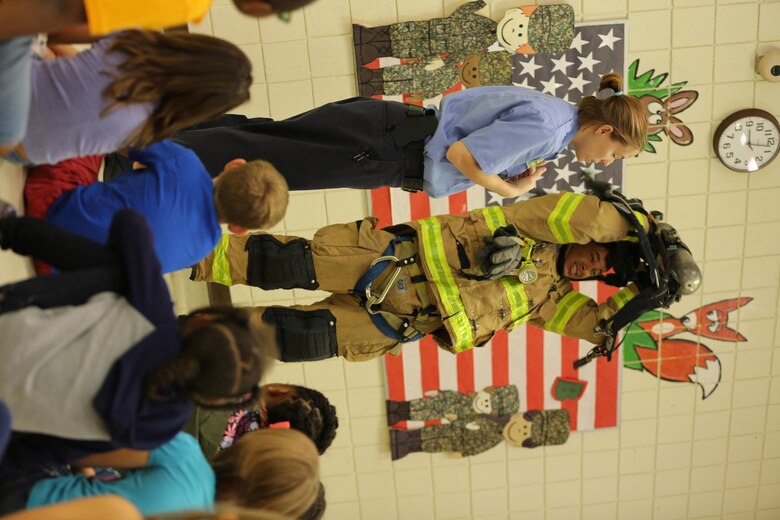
x: 340, y: 254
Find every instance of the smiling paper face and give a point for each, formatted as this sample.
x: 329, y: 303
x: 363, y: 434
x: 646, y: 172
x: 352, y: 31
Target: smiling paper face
x: 512, y: 30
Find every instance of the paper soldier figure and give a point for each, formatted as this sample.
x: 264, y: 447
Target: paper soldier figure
x: 451, y: 405
x: 428, y: 80
x: 478, y: 433
x: 543, y: 29
x: 531, y: 29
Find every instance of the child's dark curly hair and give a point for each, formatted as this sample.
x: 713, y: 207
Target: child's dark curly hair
x: 310, y: 412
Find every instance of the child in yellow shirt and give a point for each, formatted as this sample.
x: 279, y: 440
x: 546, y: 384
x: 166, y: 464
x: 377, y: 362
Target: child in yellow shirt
x: 22, y: 17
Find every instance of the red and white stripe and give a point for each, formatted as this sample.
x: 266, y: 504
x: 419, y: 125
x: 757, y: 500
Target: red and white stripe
x: 527, y: 357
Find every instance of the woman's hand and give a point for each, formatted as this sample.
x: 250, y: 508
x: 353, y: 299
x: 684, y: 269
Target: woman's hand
x: 524, y: 182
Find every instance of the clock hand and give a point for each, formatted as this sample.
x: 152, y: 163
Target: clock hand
x: 750, y: 145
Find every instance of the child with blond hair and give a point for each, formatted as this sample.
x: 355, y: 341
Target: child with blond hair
x: 171, y: 189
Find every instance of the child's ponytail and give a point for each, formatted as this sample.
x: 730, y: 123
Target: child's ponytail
x: 223, y: 357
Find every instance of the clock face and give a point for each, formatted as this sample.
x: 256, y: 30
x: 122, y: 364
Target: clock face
x: 747, y: 140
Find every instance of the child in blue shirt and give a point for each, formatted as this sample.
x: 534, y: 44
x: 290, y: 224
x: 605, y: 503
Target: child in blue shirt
x: 173, y: 191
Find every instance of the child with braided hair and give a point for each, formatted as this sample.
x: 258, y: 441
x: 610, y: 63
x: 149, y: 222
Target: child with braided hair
x: 98, y: 363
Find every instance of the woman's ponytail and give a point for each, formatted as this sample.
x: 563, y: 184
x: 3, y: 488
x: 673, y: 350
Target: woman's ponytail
x: 614, y: 107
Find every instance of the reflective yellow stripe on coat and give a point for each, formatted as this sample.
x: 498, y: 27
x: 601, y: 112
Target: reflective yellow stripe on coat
x: 433, y: 246
x: 566, y: 308
x: 220, y: 266
x: 558, y: 221
x: 515, y: 292
x: 622, y: 297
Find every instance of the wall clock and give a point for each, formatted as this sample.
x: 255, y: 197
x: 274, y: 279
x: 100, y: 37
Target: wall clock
x: 747, y: 140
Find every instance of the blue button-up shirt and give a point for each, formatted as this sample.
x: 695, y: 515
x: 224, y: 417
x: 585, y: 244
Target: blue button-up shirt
x: 504, y: 128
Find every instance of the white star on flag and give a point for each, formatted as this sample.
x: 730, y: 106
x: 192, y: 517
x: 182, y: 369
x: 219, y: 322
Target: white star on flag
x: 587, y: 62
x: 561, y: 64
x: 608, y: 40
x: 577, y: 188
x: 578, y: 82
x: 577, y: 43
x: 523, y: 83
x: 530, y: 67
x: 591, y: 169
x: 564, y: 171
x: 550, y: 86
x: 494, y: 197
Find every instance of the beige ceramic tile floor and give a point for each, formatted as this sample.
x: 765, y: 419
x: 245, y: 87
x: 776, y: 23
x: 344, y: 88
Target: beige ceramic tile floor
x: 12, y: 267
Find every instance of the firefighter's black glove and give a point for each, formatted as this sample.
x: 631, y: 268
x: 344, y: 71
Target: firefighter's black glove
x: 503, y: 254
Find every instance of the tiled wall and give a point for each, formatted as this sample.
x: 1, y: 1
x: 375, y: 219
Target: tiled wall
x: 675, y: 455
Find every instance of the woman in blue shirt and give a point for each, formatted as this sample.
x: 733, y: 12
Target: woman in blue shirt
x: 496, y: 137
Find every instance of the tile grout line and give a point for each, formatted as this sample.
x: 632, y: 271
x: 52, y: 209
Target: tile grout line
x: 774, y: 335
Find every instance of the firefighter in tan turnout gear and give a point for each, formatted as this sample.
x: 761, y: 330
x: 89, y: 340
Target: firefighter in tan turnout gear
x: 430, y: 277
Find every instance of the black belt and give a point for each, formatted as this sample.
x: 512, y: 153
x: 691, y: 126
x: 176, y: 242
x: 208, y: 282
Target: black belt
x: 410, y: 135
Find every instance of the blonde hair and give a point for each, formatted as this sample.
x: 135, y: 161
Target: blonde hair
x: 253, y: 195
x: 624, y: 113
x: 276, y: 470
x: 222, y: 512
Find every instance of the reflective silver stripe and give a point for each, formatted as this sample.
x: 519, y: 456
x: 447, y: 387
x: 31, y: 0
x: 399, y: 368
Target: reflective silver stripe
x: 558, y: 221
x: 435, y: 257
x: 566, y: 308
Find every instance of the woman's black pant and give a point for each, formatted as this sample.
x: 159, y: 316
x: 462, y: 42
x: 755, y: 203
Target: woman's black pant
x: 345, y: 144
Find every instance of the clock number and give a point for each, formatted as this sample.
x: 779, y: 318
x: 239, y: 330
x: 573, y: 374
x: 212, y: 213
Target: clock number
x: 726, y: 146
x: 760, y: 127
x: 737, y: 161
x: 759, y: 158
x: 729, y: 155
x: 748, y: 123
x: 770, y: 141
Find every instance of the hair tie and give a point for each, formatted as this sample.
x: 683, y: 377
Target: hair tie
x: 606, y: 93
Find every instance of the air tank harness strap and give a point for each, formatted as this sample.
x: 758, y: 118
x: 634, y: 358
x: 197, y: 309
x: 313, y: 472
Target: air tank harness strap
x: 399, y: 328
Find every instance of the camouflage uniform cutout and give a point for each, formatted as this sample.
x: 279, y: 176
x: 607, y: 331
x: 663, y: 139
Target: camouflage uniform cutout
x: 550, y: 427
x: 416, y: 79
x: 504, y: 400
x: 486, y: 69
x: 475, y: 434
x: 551, y: 29
x: 461, y: 33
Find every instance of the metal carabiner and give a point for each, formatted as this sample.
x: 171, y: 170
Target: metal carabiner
x: 372, y: 300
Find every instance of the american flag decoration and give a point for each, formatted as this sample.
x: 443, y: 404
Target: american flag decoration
x: 528, y: 357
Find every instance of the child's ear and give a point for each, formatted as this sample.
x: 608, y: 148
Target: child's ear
x: 234, y: 163
x: 258, y: 8
x: 237, y: 230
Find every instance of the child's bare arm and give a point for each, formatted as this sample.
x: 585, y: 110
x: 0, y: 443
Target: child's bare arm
x: 121, y: 459
x: 23, y: 17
